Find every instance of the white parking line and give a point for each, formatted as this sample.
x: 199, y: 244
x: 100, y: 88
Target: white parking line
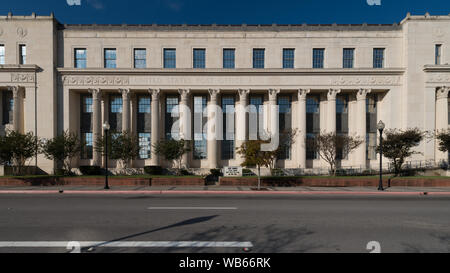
x: 192, y: 208
x: 125, y: 244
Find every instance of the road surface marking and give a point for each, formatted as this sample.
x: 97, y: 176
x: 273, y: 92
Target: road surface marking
x: 126, y: 244
x: 192, y: 208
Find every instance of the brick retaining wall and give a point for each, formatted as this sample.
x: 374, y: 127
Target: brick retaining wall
x: 333, y: 182
x: 99, y: 181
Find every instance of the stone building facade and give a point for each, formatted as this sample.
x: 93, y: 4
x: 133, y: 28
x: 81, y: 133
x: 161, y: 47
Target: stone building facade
x: 345, y: 78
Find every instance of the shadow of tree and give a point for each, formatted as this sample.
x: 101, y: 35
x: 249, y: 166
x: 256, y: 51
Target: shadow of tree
x: 182, y: 223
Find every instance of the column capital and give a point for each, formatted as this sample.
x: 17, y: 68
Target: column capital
x: 243, y: 93
x: 14, y: 89
x: 213, y: 93
x: 154, y: 93
x: 96, y: 92
x: 273, y: 94
x: 442, y: 92
x: 184, y: 93
x: 125, y: 92
x: 302, y: 93
x: 362, y: 93
x: 331, y: 95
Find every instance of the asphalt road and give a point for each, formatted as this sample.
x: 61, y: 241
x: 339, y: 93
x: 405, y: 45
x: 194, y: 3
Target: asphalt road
x: 270, y: 223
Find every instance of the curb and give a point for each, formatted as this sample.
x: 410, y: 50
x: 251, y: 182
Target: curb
x: 100, y: 192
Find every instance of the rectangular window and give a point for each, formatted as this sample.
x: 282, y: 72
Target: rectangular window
x: 144, y: 145
x: 199, y: 58
x: 86, y: 126
x: 200, y: 119
x: 312, y: 124
x: 371, y: 126
x: 318, y: 57
x: 22, y: 54
x: 171, y: 116
x: 228, y: 109
x: 87, y: 150
x: 115, y: 113
x: 228, y: 58
x: 288, y: 57
x: 2, y: 54
x: 170, y: 58
x: 258, y: 58
x: 285, y: 125
x: 144, y: 126
x: 256, y: 118
x: 140, y: 58
x: 110, y: 58
x: 342, y: 122
x: 378, y: 57
x: 348, y: 57
x: 80, y: 58
x: 7, y: 107
x: 438, y: 53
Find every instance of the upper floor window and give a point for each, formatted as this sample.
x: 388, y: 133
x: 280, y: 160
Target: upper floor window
x: 258, y: 58
x: 288, y: 57
x: 348, y: 57
x: 199, y: 58
x: 318, y: 57
x: 438, y: 53
x: 110, y: 58
x: 22, y: 54
x: 228, y: 58
x: 378, y: 57
x: 170, y: 58
x: 2, y: 54
x: 140, y: 58
x: 80, y: 58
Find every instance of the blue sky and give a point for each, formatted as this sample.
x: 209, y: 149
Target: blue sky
x: 226, y: 11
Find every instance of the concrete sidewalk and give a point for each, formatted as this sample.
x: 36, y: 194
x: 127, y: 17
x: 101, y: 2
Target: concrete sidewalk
x: 220, y: 190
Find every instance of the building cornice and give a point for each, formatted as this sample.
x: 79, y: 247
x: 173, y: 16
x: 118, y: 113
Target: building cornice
x: 242, y: 71
x: 19, y: 68
x: 437, y: 68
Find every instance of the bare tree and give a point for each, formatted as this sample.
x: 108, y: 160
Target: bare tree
x: 327, y: 145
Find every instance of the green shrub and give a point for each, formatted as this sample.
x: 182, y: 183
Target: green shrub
x: 247, y: 172
x: 91, y: 170
x: 185, y: 172
x: 153, y: 170
x: 216, y: 172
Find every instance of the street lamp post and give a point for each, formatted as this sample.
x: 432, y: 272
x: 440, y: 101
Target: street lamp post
x: 380, y: 127
x: 106, y: 128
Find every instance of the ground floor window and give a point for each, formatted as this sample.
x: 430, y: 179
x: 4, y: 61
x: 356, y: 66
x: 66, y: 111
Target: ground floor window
x: 88, y: 140
x: 144, y: 144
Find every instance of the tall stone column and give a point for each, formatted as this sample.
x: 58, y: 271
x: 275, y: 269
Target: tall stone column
x: 331, y: 109
x: 274, y: 122
x: 155, y: 124
x: 96, y: 124
x: 361, y: 129
x: 185, y: 122
x: 212, y: 128
x: 441, y: 117
x: 241, y: 122
x: 125, y: 109
x: 17, y: 99
x: 301, y: 137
